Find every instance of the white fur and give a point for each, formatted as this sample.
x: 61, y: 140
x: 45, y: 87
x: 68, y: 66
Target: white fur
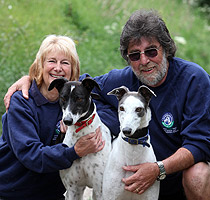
x: 124, y: 154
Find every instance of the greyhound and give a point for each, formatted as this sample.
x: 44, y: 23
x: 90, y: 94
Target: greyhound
x: 79, y: 114
x: 132, y: 146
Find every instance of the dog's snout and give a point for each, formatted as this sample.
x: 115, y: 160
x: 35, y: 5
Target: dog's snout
x: 127, y: 131
x: 68, y: 121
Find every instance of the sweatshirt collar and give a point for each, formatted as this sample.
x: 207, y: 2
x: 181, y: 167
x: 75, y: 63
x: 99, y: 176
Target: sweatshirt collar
x: 37, y: 95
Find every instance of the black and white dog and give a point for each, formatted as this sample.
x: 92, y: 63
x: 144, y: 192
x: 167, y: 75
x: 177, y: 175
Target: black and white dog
x: 79, y: 114
x: 132, y: 147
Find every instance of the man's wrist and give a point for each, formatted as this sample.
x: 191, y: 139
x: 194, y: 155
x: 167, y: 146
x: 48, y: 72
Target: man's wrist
x: 162, y: 173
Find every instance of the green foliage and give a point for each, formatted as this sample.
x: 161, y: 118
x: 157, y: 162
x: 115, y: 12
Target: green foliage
x: 204, y: 7
x: 203, y: 2
x: 95, y: 25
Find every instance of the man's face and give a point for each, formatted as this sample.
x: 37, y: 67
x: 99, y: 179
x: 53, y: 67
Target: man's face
x: 151, y: 71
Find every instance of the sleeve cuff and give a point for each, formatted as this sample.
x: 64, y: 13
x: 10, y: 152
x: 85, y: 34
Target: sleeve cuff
x: 72, y: 154
x: 196, y: 152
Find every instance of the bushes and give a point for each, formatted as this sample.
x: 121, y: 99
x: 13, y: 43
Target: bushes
x: 203, y: 6
x: 203, y: 3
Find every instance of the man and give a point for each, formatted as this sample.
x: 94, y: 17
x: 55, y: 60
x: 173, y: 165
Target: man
x: 180, y: 125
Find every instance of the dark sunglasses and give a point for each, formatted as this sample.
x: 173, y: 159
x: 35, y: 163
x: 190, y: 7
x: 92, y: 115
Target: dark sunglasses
x: 150, y: 53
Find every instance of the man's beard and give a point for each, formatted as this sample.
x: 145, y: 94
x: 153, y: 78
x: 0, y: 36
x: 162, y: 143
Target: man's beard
x: 155, y: 78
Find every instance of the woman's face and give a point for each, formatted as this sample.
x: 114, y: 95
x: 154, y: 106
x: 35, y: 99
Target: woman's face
x: 56, y: 65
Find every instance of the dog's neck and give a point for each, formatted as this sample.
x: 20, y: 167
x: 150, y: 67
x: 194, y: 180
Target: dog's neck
x: 89, y: 112
x: 139, y: 133
x: 146, y: 119
x: 141, y: 136
x: 87, y: 119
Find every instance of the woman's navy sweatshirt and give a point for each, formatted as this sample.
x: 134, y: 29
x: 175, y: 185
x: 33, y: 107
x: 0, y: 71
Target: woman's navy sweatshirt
x: 29, y: 162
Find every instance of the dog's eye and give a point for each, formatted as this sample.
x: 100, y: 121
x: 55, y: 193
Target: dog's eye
x: 122, y: 108
x: 79, y: 99
x: 139, y: 109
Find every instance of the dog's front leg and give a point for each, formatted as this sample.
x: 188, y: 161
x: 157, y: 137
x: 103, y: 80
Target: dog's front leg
x: 74, y: 193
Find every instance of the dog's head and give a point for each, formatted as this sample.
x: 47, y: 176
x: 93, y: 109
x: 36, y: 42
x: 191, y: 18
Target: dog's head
x: 74, y: 97
x: 133, y: 109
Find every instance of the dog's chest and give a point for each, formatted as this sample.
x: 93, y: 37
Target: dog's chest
x: 134, y: 154
x: 72, y: 135
x: 124, y: 154
x: 86, y: 170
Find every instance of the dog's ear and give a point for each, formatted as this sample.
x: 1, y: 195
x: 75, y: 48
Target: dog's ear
x: 146, y: 93
x: 89, y: 84
x: 95, y: 96
x: 58, y: 84
x: 119, y: 92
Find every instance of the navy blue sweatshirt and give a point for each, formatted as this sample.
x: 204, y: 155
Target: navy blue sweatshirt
x: 29, y: 163
x: 180, y: 112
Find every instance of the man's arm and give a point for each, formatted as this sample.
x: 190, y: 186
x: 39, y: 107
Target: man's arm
x: 23, y: 84
x: 179, y: 161
x: 146, y: 174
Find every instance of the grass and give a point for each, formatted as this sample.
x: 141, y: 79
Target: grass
x: 95, y: 25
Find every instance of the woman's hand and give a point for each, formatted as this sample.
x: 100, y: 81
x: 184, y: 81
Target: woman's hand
x: 22, y: 84
x: 63, y: 127
x: 90, y: 143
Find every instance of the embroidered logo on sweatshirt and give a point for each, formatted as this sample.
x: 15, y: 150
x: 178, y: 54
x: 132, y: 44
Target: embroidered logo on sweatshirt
x: 168, y: 120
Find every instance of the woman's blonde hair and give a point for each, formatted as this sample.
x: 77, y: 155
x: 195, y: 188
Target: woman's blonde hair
x: 60, y: 44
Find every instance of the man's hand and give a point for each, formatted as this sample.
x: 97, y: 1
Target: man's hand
x: 144, y: 176
x: 90, y: 143
x: 22, y: 84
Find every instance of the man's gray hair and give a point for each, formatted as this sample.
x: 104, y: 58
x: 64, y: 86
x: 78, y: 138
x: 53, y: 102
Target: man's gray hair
x: 148, y: 24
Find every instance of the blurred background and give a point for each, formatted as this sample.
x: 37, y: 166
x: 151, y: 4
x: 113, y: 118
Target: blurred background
x: 95, y: 25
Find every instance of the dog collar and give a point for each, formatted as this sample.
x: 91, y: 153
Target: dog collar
x: 142, y: 140
x: 84, y: 123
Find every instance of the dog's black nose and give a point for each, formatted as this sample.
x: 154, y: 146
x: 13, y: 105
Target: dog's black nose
x: 68, y: 121
x: 127, y: 131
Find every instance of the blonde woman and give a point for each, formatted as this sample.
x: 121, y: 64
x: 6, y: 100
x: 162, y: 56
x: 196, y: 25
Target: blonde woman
x: 29, y: 158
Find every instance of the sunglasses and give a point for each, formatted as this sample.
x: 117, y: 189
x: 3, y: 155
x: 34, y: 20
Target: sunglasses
x: 150, y: 53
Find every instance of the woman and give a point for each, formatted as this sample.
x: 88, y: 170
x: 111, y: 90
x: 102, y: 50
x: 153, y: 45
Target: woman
x: 29, y: 162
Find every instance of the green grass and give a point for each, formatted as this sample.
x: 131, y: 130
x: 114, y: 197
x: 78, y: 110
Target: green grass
x: 95, y: 25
